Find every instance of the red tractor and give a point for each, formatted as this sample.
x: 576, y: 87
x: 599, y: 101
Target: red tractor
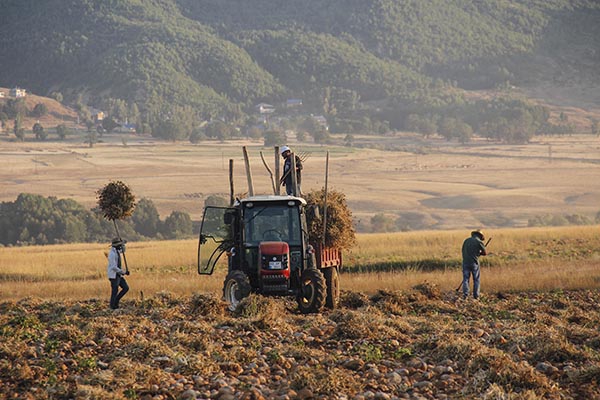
x: 269, y: 252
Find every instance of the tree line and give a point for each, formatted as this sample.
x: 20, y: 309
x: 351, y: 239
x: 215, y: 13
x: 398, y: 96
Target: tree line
x: 37, y: 220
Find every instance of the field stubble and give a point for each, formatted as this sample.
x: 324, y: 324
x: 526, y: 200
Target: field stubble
x: 400, y: 334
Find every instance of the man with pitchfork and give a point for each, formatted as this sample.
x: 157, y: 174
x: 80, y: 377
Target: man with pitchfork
x: 286, y: 178
x: 472, y: 248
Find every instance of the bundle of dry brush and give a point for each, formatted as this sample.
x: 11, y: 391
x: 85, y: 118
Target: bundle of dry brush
x: 340, y: 232
x: 116, y: 201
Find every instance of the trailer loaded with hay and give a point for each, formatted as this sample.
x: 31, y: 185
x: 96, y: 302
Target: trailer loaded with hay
x: 278, y: 244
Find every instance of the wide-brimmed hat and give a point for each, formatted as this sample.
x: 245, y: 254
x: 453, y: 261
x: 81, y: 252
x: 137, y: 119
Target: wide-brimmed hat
x: 283, y: 149
x: 477, y: 232
x: 118, y: 242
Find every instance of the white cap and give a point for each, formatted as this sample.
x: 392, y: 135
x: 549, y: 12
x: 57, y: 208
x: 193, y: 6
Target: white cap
x: 283, y: 149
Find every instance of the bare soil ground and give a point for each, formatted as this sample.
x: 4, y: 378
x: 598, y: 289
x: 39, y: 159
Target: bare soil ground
x: 421, y: 344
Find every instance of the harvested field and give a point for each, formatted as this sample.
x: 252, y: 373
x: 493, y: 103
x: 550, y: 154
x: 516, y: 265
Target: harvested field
x: 418, y: 344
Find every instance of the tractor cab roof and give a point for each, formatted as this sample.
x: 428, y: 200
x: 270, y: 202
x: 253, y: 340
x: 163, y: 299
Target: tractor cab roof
x: 271, y: 199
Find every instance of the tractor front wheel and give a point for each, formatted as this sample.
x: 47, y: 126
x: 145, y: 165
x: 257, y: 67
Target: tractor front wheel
x: 235, y: 287
x: 332, y: 279
x: 313, y: 291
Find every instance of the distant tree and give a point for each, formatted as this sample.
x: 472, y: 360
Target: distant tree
x: 177, y: 225
x: 62, y: 131
x: 133, y: 113
x: 219, y: 130
x: 301, y: 136
x: 14, y: 107
x: 309, y: 125
x: 197, y: 135
x: 382, y: 223
x: 91, y: 138
x: 349, y: 140
x: 578, y: 219
x: 84, y: 114
x: 89, y: 124
x: 327, y: 101
x: 273, y: 138
x: 595, y: 127
x: 40, y: 133
x: 18, y: 128
x: 321, y: 136
x: 463, y: 132
x: 109, y: 124
x: 57, y: 96
x: 3, y: 119
x: 563, y: 117
x: 34, y: 219
x: 116, y: 108
x: 255, y: 132
x: 39, y: 110
x: 447, y: 128
x: 558, y: 220
x: 145, y: 218
x: 422, y: 124
x: 216, y: 201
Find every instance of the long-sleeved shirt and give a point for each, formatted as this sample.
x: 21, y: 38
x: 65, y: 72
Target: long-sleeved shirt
x: 471, y: 250
x: 114, y: 264
x: 287, y: 177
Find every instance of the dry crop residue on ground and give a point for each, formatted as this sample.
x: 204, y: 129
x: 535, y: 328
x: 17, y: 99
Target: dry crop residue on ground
x: 421, y: 344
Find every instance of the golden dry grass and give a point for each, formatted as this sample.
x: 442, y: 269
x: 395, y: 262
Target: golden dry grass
x: 521, y: 259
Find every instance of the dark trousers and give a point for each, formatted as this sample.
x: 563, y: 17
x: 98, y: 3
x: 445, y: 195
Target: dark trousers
x: 115, y: 295
x: 289, y: 190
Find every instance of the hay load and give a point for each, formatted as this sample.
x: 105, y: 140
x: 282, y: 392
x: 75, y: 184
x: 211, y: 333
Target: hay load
x: 340, y: 231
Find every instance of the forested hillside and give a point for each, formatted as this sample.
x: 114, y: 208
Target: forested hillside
x: 216, y: 59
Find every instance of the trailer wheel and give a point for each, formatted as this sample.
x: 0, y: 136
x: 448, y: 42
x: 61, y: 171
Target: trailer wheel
x: 235, y: 287
x: 332, y: 279
x: 311, y: 297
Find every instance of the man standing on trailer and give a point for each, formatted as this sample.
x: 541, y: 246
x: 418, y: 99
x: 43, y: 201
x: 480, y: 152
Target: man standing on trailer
x: 472, y: 248
x: 286, y: 178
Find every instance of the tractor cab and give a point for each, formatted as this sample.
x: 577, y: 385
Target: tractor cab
x: 266, y: 242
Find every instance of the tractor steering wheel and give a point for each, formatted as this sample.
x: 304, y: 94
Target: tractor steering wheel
x: 272, y: 234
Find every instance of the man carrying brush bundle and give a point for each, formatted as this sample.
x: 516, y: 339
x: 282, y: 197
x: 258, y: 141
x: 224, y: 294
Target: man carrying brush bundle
x: 116, y: 275
x: 472, y: 248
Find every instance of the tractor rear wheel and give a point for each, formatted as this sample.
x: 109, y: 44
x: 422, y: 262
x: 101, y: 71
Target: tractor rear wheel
x: 332, y: 279
x: 235, y: 287
x: 312, y: 294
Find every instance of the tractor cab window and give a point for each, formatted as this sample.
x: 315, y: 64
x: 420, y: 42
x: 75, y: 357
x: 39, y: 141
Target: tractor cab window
x: 217, y: 223
x: 280, y: 223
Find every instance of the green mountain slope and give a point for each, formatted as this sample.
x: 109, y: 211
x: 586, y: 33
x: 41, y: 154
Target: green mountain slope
x: 132, y: 49
x: 219, y: 56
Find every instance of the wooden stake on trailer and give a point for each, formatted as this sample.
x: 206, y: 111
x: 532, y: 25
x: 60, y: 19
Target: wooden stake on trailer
x: 277, y: 169
x: 292, y: 171
x: 262, y: 157
x: 325, y: 198
x: 248, y: 172
x: 231, y: 192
